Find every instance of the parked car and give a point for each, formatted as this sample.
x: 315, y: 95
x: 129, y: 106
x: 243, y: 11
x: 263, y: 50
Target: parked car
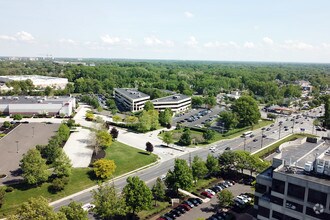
x: 227, y: 148
x: 210, y: 191
x: 255, y: 140
x: 215, y: 189
x: 207, y: 194
x: 170, y: 215
x: 188, y: 203
x: 249, y: 199
x: 175, y: 213
x: 181, y: 209
x: 88, y: 207
x: 194, y: 201
x: 185, y: 206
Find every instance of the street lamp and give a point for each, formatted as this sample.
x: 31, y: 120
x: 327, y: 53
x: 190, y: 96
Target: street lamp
x: 17, y: 146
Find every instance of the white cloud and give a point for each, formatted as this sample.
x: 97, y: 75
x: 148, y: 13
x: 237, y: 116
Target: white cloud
x: 218, y: 44
x: 268, y: 41
x: 326, y: 45
x: 249, y: 45
x: 110, y: 40
x: 6, y: 37
x: 24, y: 36
x: 298, y: 45
x: 154, y: 41
x: 68, y: 41
x: 188, y: 14
x: 192, y: 42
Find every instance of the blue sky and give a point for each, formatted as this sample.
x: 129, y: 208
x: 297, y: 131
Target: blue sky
x: 236, y: 30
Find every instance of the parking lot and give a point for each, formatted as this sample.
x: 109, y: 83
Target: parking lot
x: 18, y: 142
x: 198, y: 117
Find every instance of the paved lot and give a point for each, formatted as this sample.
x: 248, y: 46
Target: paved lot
x: 18, y: 142
x: 78, y: 148
x: 205, y: 210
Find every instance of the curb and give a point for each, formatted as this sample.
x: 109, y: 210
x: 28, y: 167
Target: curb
x: 96, y: 186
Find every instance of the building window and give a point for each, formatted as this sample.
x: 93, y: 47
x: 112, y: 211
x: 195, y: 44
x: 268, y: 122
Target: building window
x: 256, y: 200
x: 296, y: 191
x: 278, y: 186
x: 311, y: 212
x: 277, y: 215
x: 293, y: 206
x: 261, y: 188
x: 315, y: 196
x: 263, y: 211
x: 276, y: 200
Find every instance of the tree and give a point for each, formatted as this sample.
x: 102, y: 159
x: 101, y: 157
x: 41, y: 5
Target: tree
x: 197, y: 101
x: 104, y: 168
x: 18, y: 117
x: 131, y: 120
x: 212, y: 164
x: 89, y: 116
x: 63, y: 132
x: 158, y: 190
x: 62, y: 165
x: 144, y: 124
x: 2, y: 195
x: 209, y: 135
x: 34, y: 167
x: 148, y: 106
x: 154, y: 119
x: 49, y: 91
x: 36, y: 208
x: 210, y: 101
x: 116, y: 118
x: 6, y: 124
x: 165, y: 117
x: 168, y: 137
x: 226, y: 160
x: 229, y: 119
x: 225, y: 198
x: 247, y: 111
x: 137, y: 194
x: 198, y: 167
x: 185, y: 138
x: 180, y: 177
x: 99, y: 109
x: 52, y: 150
x: 114, y: 133
x: 58, y: 184
x: 103, y: 139
x: 74, y: 211
x: 107, y: 203
x: 111, y: 104
x: 149, y: 147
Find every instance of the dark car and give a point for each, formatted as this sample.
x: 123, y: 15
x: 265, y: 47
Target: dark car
x: 167, y: 217
x: 268, y: 129
x: 191, y: 205
x: 194, y: 201
x: 215, y: 189
x: 199, y: 200
x: 264, y: 136
x: 255, y: 140
x: 181, y: 209
x: 227, y: 148
x: 175, y: 212
x: 170, y: 215
x: 185, y: 206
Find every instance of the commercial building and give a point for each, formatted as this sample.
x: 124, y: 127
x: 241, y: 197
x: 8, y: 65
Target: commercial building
x: 134, y: 100
x: 33, y: 105
x: 177, y: 103
x: 130, y: 99
x: 297, y: 185
x: 38, y: 81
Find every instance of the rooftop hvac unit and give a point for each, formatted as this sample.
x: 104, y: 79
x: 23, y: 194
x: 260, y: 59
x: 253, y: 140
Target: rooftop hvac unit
x: 308, y: 166
x: 320, y: 169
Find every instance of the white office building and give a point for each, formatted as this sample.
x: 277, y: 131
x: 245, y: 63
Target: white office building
x: 38, y: 81
x: 130, y: 99
x: 177, y: 103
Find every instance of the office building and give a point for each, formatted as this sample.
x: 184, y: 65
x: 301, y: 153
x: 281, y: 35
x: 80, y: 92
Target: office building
x: 177, y: 103
x: 297, y: 185
x: 130, y: 99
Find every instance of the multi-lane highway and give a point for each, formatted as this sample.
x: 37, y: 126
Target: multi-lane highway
x: 273, y: 133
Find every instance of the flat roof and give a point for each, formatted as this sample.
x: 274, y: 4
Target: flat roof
x: 132, y: 93
x: 171, y: 98
x: 33, y: 99
x: 31, y: 77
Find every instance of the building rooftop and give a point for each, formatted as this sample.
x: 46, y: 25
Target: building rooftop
x: 33, y: 99
x: 31, y: 77
x: 172, y: 98
x: 132, y: 93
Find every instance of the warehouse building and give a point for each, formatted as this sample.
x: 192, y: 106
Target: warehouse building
x: 297, y: 185
x: 130, y: 99
x: 177, y: 103
x: 38, y: 81
x: 35, y: 105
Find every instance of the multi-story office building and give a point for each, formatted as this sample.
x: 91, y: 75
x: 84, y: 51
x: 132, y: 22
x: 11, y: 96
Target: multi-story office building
x: 33, y: 105
x: 130, y: 99
x: 177, y: 103
x: 297, y: 185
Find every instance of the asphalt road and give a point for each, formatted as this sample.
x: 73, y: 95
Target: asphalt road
x: 149, y: 175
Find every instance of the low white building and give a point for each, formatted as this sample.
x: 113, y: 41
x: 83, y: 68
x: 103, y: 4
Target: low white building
x: 35, y: 105
x: 38, y: 81
x: 177, y: 103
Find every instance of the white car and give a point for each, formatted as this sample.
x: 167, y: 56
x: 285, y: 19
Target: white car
x: 243, y: 199
x: 246, y: 197
x: 237, y: 200
x: 88, y: 206
x: 163, y: 177
x: 212, y: 148
x: 210, y: 191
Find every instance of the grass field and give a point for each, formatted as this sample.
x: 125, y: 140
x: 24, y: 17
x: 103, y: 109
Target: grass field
x: 121, y: 153
x: 198, y: 135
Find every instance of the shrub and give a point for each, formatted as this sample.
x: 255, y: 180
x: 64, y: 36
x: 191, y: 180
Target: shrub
x: 9, y: 189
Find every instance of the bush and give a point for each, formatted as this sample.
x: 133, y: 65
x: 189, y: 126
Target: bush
x: 58, y: 184
x: 9, y: 189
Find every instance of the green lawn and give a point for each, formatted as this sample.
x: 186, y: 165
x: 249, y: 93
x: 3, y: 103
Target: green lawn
x: 160, y: 208
x: 271, y: 149
x: 126, y: 158
x: 198, y: 135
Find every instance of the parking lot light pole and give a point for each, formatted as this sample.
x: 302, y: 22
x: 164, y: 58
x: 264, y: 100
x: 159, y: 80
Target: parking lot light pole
x: 17, y: 146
